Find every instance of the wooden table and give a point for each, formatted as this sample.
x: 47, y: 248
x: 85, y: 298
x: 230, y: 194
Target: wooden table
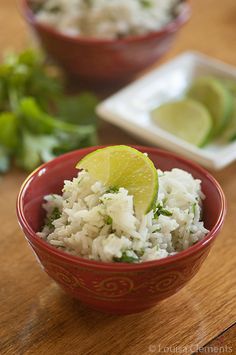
x: 38, y: 318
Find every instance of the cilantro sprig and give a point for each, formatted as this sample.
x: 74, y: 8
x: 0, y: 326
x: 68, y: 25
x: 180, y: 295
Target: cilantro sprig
x: 37, y: 121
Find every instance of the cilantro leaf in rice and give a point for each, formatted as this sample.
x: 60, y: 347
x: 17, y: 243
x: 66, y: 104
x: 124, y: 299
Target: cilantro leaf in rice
x: 125, y: 258
x: 55, y: 214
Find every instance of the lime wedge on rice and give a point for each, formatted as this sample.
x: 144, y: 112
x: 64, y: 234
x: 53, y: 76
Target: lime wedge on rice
x: 123, y: 166
x: 186, y: 119
x: 217, y: 99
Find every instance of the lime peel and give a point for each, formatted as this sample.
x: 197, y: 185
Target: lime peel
x: 215, y: 97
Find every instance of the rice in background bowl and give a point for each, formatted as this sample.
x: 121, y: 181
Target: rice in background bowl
x: 117, y: 287
x: 110, y: 19
x: 104, y: 61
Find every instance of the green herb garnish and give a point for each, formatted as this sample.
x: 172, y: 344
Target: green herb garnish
x: 108, y: 220
x: 194, y: 208
x: 160, y: 210
x: 53, y: 216
x: 146, y: 3
x: 37, y: 121
x: 157, y: 230
x: 112, y: 190
x: 126, y: 258
x: 140, y: 252
x: 55, y: 9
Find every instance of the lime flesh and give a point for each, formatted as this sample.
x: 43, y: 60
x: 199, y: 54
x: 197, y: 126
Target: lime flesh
x: 123, y: 166
x: 215, y: 97
x: 186, y: 119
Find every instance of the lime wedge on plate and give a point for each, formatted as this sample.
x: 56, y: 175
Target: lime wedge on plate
x: 230, y: 132
x: 217, y: 99
x: 123, y: 166
x: 186, y: 119
x: 230, y: 85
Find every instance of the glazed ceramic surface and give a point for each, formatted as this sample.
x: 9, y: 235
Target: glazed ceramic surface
x: 116, y: 287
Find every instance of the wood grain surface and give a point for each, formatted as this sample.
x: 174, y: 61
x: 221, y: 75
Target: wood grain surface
x: 36, y: 317
x: 224, y: 343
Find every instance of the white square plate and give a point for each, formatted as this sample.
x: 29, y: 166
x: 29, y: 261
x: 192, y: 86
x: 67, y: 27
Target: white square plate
x: 130, y: 107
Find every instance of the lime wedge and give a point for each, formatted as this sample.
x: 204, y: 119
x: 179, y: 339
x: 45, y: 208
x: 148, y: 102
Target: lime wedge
x: 217, y: 99
x: 186, y: 119
x: 230, y: 85
x: 123, y: 166
x: 230, y: 132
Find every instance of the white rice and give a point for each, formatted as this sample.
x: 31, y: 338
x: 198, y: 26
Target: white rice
x: 106, y: 18
x: 94, y: 223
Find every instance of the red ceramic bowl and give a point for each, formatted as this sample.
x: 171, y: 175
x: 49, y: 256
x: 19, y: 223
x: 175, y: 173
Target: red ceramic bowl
x: 115, y: 287
x: 104, y: 60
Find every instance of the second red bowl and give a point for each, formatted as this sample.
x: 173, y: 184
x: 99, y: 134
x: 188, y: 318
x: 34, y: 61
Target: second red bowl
x: 103, y: 60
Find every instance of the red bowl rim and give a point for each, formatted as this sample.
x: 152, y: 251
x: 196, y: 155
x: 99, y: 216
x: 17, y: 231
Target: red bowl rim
x: 172, y: 26
x: 120, y: 266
